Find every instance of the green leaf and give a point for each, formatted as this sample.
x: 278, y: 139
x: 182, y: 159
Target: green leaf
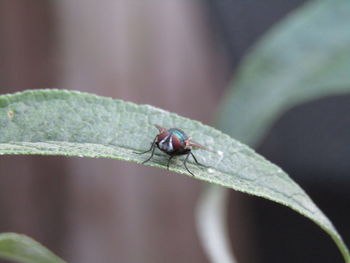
x: 56, y: 122
x: 305, y: 57
x: 20, y: 248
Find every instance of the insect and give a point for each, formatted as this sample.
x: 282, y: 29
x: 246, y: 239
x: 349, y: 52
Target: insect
x: 173, y: 142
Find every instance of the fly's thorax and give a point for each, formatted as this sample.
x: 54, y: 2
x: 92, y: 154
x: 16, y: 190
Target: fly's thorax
x: 179, y: 134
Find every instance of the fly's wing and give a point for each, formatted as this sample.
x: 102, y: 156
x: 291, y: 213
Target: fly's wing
x: 160, y: 128
x: 196, y: 145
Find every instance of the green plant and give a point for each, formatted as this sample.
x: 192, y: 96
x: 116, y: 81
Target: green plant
x: 58, y: 122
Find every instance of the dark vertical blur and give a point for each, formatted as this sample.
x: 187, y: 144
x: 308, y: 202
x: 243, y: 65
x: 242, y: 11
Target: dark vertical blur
x: 32, y: 189
x: 27, y: 35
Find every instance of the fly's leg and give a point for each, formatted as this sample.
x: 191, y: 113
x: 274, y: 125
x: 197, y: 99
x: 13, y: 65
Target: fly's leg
x: 150, y: 149
x: 153, y: 146
x: 185, y: 161
x: 197, y: 161
x: 171, y: 156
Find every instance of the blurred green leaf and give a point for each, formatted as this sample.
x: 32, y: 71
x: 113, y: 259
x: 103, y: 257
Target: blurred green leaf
x: 305, y: 57
x: 20, y: 248
x: 57, y: 122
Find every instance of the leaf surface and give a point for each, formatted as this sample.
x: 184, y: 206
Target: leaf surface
x: 58, y: 122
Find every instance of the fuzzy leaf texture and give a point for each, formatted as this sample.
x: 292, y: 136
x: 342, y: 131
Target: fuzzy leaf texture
x: 20, y: 248
x: 59, y: 122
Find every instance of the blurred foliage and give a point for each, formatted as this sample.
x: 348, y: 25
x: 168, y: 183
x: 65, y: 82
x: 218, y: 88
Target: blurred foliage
x: 304, y: 57
x: 21, y: 248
